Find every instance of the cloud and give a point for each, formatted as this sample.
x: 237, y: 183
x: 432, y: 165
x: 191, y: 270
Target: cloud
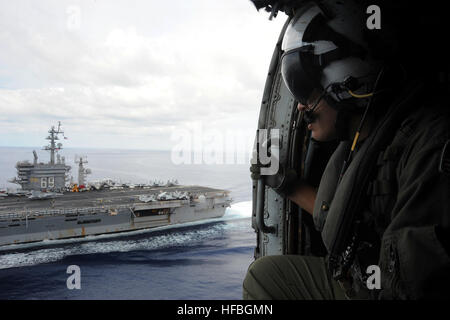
x: 129, y: 73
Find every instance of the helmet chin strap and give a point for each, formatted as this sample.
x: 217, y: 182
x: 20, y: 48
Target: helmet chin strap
x: 345, y: 111
x: 342, y: 124
x: 310, y: 116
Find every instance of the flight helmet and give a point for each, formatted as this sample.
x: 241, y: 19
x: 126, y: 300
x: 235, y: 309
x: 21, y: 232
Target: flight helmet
x: 324, y: 49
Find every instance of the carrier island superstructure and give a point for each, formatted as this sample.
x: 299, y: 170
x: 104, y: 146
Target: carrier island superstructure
x: 48, y: 207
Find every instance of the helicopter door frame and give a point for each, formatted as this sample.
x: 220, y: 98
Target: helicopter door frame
x: 277, y: 221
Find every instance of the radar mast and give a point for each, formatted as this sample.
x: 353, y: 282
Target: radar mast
x: 53, y: 146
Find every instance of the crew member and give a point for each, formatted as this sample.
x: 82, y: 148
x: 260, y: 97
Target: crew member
x: 384, y: 197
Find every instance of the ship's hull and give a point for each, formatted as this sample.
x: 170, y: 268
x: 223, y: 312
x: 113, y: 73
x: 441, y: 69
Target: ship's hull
x: 102, y: 213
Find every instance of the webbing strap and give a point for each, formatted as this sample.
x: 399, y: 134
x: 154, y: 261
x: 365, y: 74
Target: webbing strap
x: 381, y: 187
x: 392, y: 153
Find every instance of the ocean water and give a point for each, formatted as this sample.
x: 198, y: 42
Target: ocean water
x: 202, y: 260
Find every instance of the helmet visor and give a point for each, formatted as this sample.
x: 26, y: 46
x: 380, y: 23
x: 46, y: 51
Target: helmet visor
x: 297, y: 65
x: 299, y: 81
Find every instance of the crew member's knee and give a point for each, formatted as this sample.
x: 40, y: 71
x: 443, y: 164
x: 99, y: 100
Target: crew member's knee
x: 260, y: 268
x: 256, y: 284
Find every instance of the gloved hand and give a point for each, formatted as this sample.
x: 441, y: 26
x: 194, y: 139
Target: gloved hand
x: 284, y: 182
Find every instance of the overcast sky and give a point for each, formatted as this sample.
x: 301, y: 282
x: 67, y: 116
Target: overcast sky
x: 126, y: 74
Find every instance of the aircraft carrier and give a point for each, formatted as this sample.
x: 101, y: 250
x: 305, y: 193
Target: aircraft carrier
x: 49, y: 207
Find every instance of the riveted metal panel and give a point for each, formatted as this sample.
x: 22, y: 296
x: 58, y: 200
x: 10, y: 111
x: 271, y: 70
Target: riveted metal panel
x: 276, y: 112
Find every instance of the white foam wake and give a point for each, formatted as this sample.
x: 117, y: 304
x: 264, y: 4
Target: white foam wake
x: 239, y: 210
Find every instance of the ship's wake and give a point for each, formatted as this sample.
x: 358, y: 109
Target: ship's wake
x: 175, y: 237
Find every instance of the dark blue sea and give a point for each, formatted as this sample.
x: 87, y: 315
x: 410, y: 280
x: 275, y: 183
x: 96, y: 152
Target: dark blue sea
x: 206, y: 260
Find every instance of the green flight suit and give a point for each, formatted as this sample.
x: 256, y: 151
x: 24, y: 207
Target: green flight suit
x: 290, y: 277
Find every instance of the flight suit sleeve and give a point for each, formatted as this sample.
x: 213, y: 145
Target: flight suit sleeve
x: 414, y: 261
